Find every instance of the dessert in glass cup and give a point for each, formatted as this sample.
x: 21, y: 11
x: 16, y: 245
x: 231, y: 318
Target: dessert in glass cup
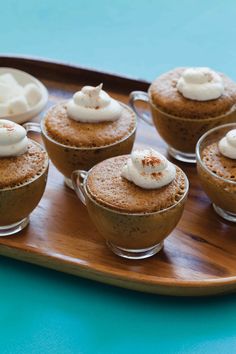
x: 87, y: 129
x: 216, y: 165
x: 185, y: 103
x: 23, y: 176
x: 135, y: 201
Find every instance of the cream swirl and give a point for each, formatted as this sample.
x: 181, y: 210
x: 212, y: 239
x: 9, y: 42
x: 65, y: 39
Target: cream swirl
x: 227, y: 145
x: 148, y: 169
x: 93, y: 105
x: 13, y: 139
x: 200, y: 84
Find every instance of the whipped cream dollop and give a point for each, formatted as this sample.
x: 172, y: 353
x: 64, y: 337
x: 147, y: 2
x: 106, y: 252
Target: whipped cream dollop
x: 16, y: 99
x: 200, y: 84
x: 148, y: 169
x: 227, y: 145
x: 93, y: 105
x: 13, y: 139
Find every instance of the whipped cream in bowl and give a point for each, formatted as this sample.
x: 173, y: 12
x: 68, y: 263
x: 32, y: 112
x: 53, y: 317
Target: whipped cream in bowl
x: 93, y: 105
x: 200, y: 84
x: 149, y: 169
x: 22, y: 96
x: 13, y: 139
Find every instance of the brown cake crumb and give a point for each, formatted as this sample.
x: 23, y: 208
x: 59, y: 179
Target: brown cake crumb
x: 108, y: 188
x: 78, y: 134
x: 21, y: 169
x: 219, y: 164
x: 166, y: 97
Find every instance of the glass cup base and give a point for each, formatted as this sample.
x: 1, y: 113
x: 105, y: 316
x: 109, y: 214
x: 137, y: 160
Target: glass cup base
x: 68, y: 183
x: 14, y: 228
x: 134, y: 253
x: 224, y: 214
x: 182, y: 156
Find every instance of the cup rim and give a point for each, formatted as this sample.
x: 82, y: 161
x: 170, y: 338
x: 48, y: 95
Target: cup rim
x: 42, y: 126
x: 141, y: 213
x: 198, y: 156
x: 231, y: 110
x: 34, y: 179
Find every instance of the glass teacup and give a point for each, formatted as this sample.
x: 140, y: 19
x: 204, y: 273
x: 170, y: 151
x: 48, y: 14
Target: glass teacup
x: 117, y: 228
x: 221, y: 191
x: 17, y: 202
x: 68, y: 158
x: 181, y: 134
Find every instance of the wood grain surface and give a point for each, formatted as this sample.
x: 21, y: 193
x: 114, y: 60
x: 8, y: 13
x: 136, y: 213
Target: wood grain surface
x: 199, y: 256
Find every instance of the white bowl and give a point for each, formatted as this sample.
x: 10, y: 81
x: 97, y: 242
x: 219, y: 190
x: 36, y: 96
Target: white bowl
x: 23, y: 79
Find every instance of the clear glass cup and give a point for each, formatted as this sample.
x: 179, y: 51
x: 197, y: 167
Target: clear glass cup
x: 221, y: 191
x: 130, y: 235
x: 69, y: 158
x: 181, y: 134
x: 16, y: 203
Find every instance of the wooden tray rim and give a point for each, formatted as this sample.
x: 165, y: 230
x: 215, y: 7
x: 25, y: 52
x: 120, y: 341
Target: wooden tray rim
x: 41, y: 61
x: 96, y: 271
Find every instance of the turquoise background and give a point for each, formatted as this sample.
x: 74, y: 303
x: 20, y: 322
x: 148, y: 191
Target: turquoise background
x: 43, y: 311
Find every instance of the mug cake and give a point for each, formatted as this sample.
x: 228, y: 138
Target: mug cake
x: 23, y: 176
x: 135, y: 201
x: 185, y: 103
x: 87, y: 129
x: 216, y: 165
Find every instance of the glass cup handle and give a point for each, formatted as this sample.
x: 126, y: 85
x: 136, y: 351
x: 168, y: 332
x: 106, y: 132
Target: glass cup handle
x: 77, y: 178
x: 32, y: 127
x: 140, y: 96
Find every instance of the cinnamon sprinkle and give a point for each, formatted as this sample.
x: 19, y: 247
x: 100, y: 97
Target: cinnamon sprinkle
x: 150, y: 161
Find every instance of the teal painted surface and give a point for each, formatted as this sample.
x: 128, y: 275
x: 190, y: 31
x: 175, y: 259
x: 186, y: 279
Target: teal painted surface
x: 42, y: 311
x: 139, y: 38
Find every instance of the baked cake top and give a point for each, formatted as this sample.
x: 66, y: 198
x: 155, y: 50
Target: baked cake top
x: 106, y: 186
x: 69, y: 132
x: 165, y: 96
x: 219, y: 164
x: 21, y: 169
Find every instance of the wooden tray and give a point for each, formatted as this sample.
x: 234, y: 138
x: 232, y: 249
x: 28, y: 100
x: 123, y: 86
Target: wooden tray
x: 199, y: 257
